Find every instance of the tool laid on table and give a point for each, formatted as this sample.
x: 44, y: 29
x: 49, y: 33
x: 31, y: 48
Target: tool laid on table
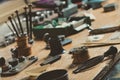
x: 96, y: 60
x: 51, y: 60
x: 111, y: 70
x: 104, y: 30
x: 95, y: 44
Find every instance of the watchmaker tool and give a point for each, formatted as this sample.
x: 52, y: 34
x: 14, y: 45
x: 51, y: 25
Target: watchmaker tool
x: 13, y: 17
x: 10, y: 19
x: 111, y: 70
x: 13, y: 66
x: 55, y: 46
x: 56, y: 50
x: 23, y: 40
x: 104, y: 30
x: 20, y: 24
x: 95, y: 44
x: 27, y: 20
x: 21, y: 53
x: 51, y: 60
x: 80, y: 54
x: 96, y: 60
x: 64, y: 41
x: 10, y: 28
x: 30, y: 21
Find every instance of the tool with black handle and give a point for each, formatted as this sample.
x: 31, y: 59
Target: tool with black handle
x: 20, y: 24
x: 27, y: 22
x: 10, y: 19
x: 13, y: 17
x: 30, y: 21
x: 96, y: 60
x: 10, y: 28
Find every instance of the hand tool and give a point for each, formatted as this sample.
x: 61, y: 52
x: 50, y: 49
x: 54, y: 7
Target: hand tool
x: 104, y: 30
x: 21, y: 28
x: 51, y: 60
x: 10, y: 19
x: 15, y: 23
x: 27, y: 22
x: 95, y: 60
x: 10, y: 28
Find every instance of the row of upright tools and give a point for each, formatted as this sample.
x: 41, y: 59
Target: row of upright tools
x: 21, y: 53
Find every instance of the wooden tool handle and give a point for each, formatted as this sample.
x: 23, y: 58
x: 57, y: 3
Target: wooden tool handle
x: 104, y: 30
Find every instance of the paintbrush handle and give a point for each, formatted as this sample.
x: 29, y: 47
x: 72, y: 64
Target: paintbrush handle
x: 19, y: 21
x: 13, y: 26
x: 27, y: 24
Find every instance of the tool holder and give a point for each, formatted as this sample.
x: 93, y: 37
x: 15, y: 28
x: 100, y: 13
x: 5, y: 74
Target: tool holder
x: 23, y: 48
x: 79, y: 55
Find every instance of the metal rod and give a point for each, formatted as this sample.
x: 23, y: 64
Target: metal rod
x: 10, y: 28
x: 10, y: 19
x: 27, y: 24
x: 19, y: 21
x: 30, y: 19
x: 15, y: 23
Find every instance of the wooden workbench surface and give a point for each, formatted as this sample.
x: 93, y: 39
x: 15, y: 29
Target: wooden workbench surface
x: 102, y: 19
x: 8, y: 7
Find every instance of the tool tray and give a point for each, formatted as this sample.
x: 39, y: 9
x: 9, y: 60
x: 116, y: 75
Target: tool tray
x: 20, y: 66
